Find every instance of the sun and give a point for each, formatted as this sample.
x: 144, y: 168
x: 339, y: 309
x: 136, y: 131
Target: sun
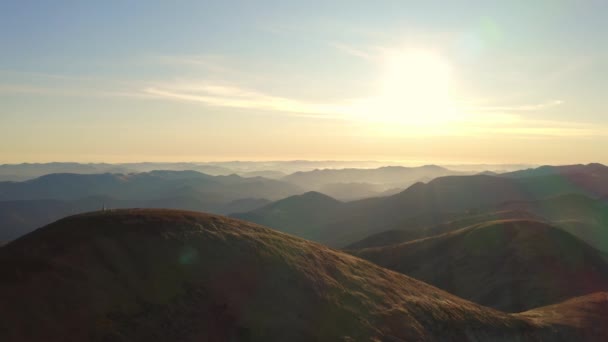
x: 414, y: 89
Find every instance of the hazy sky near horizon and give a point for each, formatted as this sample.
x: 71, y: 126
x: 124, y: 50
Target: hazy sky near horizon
x: 430, y: 81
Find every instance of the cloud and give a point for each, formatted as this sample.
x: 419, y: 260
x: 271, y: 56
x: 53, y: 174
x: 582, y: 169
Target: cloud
x: 484, y: 122
x: 353, y: 51
x: 235, y: 97
x: 518, y: 108
x: 213, y: 63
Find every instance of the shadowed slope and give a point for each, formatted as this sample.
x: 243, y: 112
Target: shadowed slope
x: 135, y: 275
x: 582, y: 216
x: 426, y: 226
x: 439, y: 198
x: 301, y: 215
x: 509, y: 265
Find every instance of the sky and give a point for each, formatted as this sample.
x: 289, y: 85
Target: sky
x: 420, y: 81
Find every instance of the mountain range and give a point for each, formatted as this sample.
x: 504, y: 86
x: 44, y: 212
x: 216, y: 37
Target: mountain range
x: 445, y: 198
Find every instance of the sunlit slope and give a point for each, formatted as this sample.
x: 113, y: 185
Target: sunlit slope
x: 583, y: 312
x: 511, y: 265
x: 141, y: 275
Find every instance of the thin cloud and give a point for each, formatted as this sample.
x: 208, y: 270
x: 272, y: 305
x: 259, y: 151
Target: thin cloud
x: 526, y: 107
x: 469, y: 124
x: 209, y: 62
x: 353, y: 51
x: 235, y: 97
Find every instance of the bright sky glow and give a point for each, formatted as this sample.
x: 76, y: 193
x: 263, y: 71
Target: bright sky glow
x: 481, y: 81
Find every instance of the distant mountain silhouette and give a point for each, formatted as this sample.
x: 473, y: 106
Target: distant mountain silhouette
x: 545, y: 170
x: 143, y: 275
x: 511, y: 265
x: 148, y: 185
x: 353, y: 191
x: 378, y: 180
x: 25, y: 171
x: 592, y: 179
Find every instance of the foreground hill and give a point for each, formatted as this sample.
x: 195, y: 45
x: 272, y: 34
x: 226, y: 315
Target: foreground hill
x: 581, y: 312
x: 511, y: 265
x: 141, y: 275
x: 21, y: 217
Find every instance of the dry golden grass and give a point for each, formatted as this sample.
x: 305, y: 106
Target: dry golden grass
x: 165, y: 275
x: 511, y: 265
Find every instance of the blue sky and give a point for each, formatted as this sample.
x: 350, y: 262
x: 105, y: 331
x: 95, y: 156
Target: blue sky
x: 432, y: 81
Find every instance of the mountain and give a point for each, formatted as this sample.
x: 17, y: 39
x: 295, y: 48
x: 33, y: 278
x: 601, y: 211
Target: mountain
x: 442, y: 197
x: 263, y: 173
x: 308, y: 210
x: 147, y: 185
x: 142, y: 275
x: 590, y: 179
x: 382, y: 178
x: 436, y: 224
x: 510, y: 265
x: 27, y: 205
x: 26, y: 171
x: 352, y: 191
x: 593, y: 169
x: 582, y: 216
x: 242, y: 205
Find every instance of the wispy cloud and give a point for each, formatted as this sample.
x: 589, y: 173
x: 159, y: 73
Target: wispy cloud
x: 355, y: 51
x: 489, y: 120
x: 517, y: 108
x: 209, y: 62
x: 235, y: 97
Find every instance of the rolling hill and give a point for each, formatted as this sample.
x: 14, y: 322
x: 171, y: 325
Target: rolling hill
x: 427, y: 226
x: 582, y: 216
x: 581, y: 312
x: 310, y: 210
x: 511, y: 265
x: 142, y: 275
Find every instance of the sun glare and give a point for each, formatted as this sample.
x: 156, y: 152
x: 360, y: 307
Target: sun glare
x: 414, y: 89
